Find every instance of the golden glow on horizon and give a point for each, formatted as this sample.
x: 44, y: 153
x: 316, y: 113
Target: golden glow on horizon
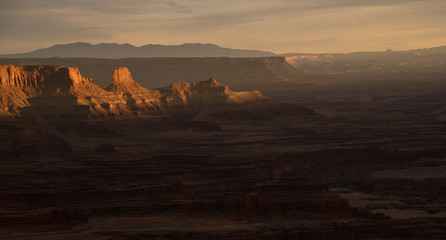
x: 279, y: 26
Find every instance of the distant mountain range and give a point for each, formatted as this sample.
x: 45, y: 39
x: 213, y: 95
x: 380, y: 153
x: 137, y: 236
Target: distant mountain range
x: 113, y: 50
x: 116, y: 51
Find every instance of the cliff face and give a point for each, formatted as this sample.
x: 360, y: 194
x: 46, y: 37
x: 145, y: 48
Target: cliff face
x: 263, y: 73
x: 124, y: 83
x: 49, y: 86
x: 47, y: 80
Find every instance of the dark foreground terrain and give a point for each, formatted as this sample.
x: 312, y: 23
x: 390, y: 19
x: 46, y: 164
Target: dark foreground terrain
x: 339, y: 159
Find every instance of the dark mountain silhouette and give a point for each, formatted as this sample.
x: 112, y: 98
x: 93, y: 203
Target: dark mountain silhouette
x: 113, y: 50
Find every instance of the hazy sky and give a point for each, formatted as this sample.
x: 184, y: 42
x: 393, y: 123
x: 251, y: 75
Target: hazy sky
x: 274, y: 25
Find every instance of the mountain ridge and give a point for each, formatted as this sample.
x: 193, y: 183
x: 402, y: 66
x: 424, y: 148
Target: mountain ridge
x: 126, y: 50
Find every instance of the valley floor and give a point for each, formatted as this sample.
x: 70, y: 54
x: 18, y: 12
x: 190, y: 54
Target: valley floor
x: 360, y: 166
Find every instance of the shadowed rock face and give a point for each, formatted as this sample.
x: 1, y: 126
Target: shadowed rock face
x: 49, y: 86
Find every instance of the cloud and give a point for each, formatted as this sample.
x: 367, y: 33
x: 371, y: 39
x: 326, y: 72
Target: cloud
x: 178, y: 7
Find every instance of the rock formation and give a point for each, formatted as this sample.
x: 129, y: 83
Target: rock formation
x: 124, y: 83
x: 267, y: 74
x: 208, y: 92
x: 55, y: 88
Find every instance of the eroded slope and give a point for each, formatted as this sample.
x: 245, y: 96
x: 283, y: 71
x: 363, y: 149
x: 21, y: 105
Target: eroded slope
x: 47, y: 87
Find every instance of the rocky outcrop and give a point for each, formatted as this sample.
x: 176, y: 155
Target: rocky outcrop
x: 47, y: 81
x: 267, y: 74
x: 50, y: 85
x: 208, y: 92
x: 124, y: 83
x: 55, y: 89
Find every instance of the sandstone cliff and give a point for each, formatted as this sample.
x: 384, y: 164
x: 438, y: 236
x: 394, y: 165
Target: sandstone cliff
x: 20, y: 84
x: 123, y: 82
x: 55, y: 89
x: 47, y: 81
x: 267, y: 74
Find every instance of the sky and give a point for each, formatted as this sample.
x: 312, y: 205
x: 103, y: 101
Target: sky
x: 280, y: 26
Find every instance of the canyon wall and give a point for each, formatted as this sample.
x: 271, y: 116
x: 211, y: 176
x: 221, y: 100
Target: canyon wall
x: 265, y: 73
x: 48, y: 88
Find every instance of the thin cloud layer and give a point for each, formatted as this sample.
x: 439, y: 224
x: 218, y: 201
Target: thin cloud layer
x: 279, y: 26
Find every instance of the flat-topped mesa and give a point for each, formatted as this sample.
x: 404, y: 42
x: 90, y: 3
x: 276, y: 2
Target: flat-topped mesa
x: 47, y: 81
x: 20, y: 84
x: 123, y: 82
x: 26, y: 78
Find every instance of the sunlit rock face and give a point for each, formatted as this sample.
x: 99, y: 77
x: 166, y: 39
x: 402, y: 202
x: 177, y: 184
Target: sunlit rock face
x: 47, y: 81
x: 124, y: 83
x: 48, y: 85
x: 57, y: 88
x: 208, y: 92
x: 267, y: 74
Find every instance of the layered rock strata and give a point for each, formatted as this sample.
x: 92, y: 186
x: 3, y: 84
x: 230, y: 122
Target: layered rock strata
x: 56, y: 88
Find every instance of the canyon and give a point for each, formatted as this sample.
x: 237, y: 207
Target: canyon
x: 336, y: 158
